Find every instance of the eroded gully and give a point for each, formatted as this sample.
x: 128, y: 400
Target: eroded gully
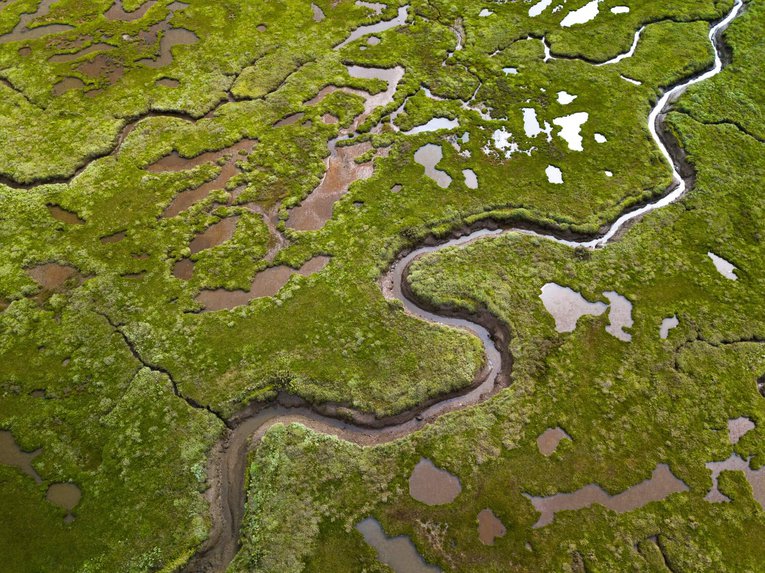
x: 226, y: 470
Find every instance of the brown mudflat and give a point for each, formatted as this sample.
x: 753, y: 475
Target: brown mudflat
x: 52, y: 276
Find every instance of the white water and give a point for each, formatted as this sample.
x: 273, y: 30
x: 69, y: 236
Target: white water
x: 583, y: 15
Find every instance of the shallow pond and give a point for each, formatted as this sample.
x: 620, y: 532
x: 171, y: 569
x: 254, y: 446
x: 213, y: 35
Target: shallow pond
x: 567, y: 306
x: 66, y: 495
x: 22, y: 31
x: 429, y: 155
x: 668, y: 324
x: 723, y: 267
x: 432, y: 485
x: 489, y: 527
x: 570, y: 129
x: 398, y: 553
x: 61, y: 214
x: 214, y: 235
x: 756, y: 479
x: 399, y: 20
x: 434, y: 125
x: 471, y: 179
x: 661, y: 484
x: 619, y: 316
x: 738, y: 428
x: 266, y: 283
x: 583, y: 15
x: 12, y: 455
x: 52, y: 276
x: 549, y: 440
x: 174, y: 162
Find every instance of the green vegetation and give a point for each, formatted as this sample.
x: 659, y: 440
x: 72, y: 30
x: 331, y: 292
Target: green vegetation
x: 137, y: 381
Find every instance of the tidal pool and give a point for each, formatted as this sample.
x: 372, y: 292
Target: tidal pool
x: 214, y: 235
x: 171, y: 38
x: 52, y: 276
x: 289, y: 120
x: 434, y: 125
x: 22, y: 31
x: 570, y: 129
x: 567, y: 306
x: 342, y: 169
x: 61, y: 214
x: 64, y: 58
x: 619, y: 316
x: 174, y: 162
x: 738, y: 428
x: 565, y: 98
x: 399, y: 20
x: 432, y: 485
x: 489, y: 527
x: 549, y: 440
x: 398, y: 553
x: 118, y: 12
x: 539, y: 7
x: 430, y: 155
x: 531, y: 125
x: 168, y: 82
x: 471, y: 179
x: 184, y: 269
x: 66, y: 495
x: 756, y: 479
x: 723, y: 267
x: 68, y: 84
x: 666, y: 325
x: 318, y: 13
x: 554, y: 175
x: 12, y: 455
x: 266, y: 283
x: 583, y: 15
x: 376, y: 7
x: 661, y: 484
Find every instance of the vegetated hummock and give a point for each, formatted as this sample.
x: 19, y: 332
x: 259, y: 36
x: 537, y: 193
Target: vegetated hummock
x: 155, y: 285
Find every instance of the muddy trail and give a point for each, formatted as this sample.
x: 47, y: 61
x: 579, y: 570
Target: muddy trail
x: 226, y: 471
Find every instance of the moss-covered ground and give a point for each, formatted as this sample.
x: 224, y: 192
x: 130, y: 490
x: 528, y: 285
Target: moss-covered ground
x: 124, y: 384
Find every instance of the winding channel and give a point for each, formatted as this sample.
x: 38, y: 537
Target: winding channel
x: 228, y: 461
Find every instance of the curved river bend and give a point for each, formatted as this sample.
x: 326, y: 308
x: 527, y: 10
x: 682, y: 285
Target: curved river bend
x: 228, y: 460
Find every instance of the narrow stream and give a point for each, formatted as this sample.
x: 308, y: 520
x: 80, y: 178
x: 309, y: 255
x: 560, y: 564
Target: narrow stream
x: 228, y: 461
